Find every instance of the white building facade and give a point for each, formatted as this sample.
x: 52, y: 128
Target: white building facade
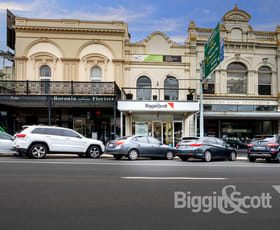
x: 241, y: 98
x: 158, y: 77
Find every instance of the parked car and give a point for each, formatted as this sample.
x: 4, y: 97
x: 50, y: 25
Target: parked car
x: 38, y: 141
x: 235, y: 142
x: 205, y: 148
x: 137, y: 146
x: 265, y: 147
x: 6, y: 143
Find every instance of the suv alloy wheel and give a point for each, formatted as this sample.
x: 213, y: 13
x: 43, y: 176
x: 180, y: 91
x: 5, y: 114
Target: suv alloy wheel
x: 93, y: 152
x: 38, y: 151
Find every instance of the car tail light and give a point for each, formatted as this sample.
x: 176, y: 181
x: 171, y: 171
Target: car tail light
x: 195, y: 145
x: 271, y: 145
x: 119, y: 142
x: 177, y: 145
x: 20, y: 135
x: 250, y: 145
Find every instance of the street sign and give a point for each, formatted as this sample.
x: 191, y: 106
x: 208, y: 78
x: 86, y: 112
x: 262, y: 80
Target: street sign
x: 212, y: 51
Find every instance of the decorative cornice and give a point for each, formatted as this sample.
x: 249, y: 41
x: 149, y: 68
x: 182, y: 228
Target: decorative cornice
x: 66, y: 29
x: 70, y: 59
x: 118, y: 60
x: 23, y: 58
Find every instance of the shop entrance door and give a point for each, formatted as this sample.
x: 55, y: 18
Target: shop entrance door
x: 157, y: 130
x: 178, y: 132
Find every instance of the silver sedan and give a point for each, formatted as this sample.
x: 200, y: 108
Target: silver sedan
x: 6, y: 143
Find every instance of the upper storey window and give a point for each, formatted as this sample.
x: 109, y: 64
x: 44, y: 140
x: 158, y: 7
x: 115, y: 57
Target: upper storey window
x: 170, y: 88
x: 236, y: 78
x: 144, y: 88
x: 264, y: 80
x: 96, y: 74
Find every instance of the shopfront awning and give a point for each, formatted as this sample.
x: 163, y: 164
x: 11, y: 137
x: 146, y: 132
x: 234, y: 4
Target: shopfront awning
x: 243, y: 115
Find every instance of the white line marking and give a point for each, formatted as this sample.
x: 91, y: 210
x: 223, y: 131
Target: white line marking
x: 172, y: 178
x: 277, y: 188
x: 177, y: 164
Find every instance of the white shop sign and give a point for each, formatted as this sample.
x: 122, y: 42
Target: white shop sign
x: 158, y: 106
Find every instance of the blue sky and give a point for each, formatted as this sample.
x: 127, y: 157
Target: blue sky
x: 171, y: 17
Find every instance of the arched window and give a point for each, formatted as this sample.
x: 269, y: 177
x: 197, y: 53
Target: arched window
x: 45, y: 72
x: 144, y: 86
x: 236, y: 78
x: 264, y: 79
x: 170, y: 88
x: 96, y: 74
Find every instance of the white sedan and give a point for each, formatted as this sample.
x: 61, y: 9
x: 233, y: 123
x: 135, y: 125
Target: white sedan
x: 6, y: 143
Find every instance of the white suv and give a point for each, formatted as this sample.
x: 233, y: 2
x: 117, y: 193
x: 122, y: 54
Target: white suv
x: 38, y: 141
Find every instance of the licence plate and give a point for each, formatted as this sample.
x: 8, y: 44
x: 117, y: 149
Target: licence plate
x: 259, y: 148
x: 111, y: 145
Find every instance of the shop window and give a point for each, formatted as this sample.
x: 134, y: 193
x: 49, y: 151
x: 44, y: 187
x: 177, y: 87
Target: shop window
x: 264, y: 80
x: 96, y: 74
x: 209, y: 85
x: 144, y: 88
x: 236, y: 78
x: 170, y: 88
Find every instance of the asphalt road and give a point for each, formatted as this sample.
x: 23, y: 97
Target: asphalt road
x: 73, y: 193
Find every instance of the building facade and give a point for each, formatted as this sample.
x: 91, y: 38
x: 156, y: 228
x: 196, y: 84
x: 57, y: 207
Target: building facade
x: 67, y: 73
x: 158, y: 78
x: 7, y: 45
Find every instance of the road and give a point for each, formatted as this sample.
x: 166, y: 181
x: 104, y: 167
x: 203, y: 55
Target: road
x: 74, y: 193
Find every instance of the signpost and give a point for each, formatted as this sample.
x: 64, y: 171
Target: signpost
x: 213, y: 56
x: 212, y: 51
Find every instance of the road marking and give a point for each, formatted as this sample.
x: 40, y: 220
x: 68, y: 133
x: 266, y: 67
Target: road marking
x: 139, y: 163
x: 277, y: 188
x: 172, y: 178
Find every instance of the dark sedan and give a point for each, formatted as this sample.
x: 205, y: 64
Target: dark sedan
x: 265, y: 147
x: 139, y: 146
x: 205, y: 148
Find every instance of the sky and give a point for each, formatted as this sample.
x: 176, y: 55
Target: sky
x: 171, y: 17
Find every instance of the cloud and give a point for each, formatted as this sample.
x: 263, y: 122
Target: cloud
x: 93, y: 11
x: 167, y: 24
x: 266, y: 27
x: 202, y: 17
x: 179, y: 38
x: 14, y: 6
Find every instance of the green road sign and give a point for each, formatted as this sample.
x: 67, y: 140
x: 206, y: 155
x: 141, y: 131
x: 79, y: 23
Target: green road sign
x: 212, y: 51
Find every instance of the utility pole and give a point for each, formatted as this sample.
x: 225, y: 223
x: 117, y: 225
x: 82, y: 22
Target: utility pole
x: 201, y: 118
